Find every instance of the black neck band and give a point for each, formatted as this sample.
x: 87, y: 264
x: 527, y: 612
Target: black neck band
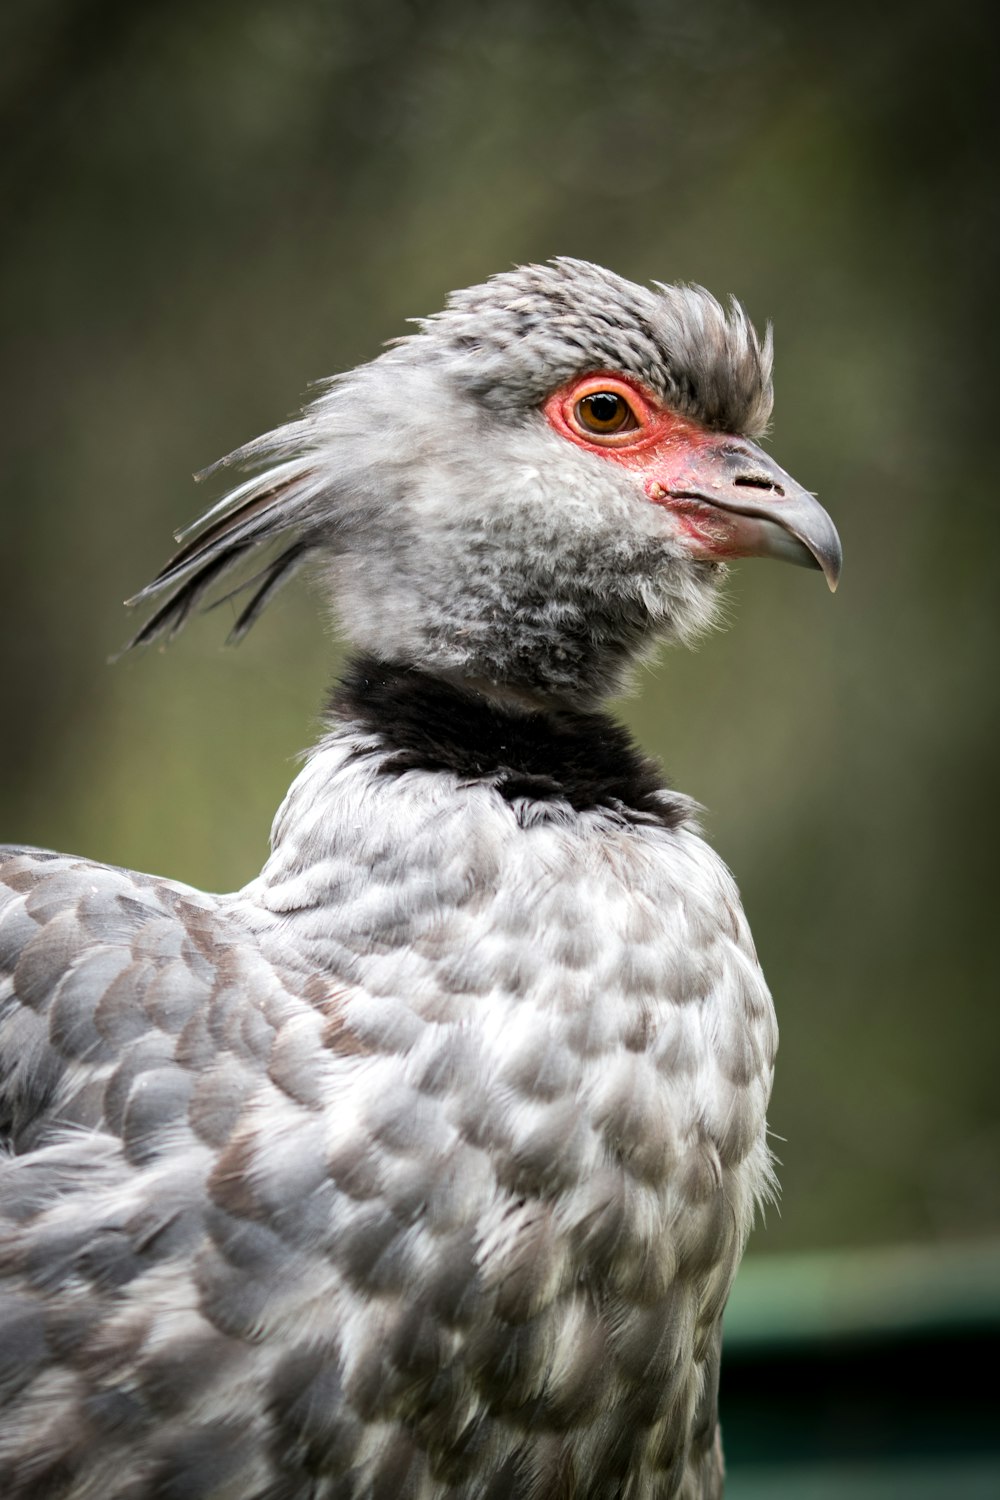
x: 587, y: 760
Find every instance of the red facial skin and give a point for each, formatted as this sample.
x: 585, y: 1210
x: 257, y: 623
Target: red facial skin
x: 724, y: 496
x: 663, y: 450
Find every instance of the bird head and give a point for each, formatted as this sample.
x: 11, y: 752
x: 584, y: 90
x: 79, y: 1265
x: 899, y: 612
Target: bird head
x: 544, y: 480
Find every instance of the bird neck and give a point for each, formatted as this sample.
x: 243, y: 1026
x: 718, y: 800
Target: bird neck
x: 415, y: 720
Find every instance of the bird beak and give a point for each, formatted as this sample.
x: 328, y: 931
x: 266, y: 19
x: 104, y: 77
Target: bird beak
x: 733, y: 500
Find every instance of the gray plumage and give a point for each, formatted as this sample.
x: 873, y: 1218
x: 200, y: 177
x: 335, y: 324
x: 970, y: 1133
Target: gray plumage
x: 421, y: 1166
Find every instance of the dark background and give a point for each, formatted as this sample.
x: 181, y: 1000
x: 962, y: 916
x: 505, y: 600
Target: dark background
x: 208, y: 205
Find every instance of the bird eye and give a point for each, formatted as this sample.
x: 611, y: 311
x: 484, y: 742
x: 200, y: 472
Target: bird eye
x: 604, y: 413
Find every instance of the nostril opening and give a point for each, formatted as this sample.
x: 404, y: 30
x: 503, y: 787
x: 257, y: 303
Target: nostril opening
x: 756, y: 482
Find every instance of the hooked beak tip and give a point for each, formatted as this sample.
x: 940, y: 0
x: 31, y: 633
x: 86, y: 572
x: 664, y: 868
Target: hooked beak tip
x: 830, y: 558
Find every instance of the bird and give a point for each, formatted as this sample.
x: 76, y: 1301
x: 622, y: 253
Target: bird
x: 421, y: 1166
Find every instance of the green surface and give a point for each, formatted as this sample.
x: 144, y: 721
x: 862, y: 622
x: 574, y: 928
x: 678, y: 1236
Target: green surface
x: 865, y: 1374
x: 809, y: 1298
x: 975, y: 1480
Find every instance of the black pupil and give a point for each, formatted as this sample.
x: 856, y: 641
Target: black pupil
x: 604, y: 408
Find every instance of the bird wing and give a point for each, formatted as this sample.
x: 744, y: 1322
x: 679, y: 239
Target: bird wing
x: 139, y: 1024
x: 106, y: 979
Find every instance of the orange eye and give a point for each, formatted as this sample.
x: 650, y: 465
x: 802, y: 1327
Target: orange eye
x: 604, y: 413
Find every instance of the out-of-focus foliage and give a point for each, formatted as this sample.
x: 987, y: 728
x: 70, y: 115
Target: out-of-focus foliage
x: 208, y: 206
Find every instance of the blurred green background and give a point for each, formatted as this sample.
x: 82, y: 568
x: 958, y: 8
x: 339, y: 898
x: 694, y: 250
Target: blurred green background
x: 206, y: 206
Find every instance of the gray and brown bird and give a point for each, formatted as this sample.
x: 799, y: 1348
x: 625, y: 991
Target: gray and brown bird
x: 421, y: 1166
